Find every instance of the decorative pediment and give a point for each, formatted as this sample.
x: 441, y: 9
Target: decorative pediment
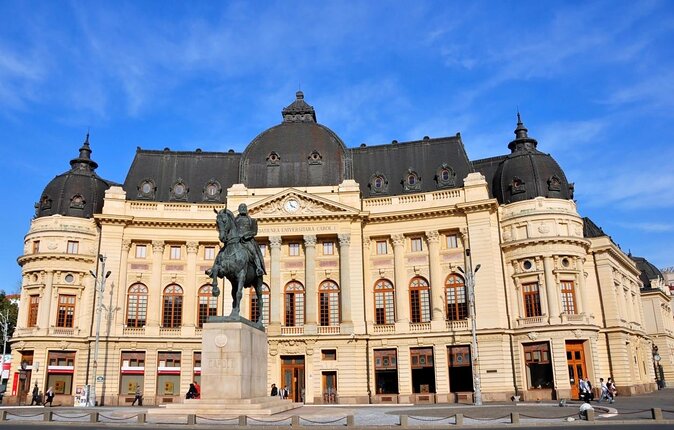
x: 292, y: 202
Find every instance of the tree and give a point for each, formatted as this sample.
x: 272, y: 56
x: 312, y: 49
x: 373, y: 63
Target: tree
x: 10, y: 308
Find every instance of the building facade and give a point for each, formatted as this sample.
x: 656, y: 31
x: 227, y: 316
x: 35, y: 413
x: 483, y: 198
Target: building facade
x: 366, y: 251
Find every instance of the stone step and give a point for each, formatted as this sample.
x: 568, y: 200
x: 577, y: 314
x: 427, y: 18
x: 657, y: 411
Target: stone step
x: 225, y: 409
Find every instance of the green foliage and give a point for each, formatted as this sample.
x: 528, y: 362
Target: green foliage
x: 11, y: 310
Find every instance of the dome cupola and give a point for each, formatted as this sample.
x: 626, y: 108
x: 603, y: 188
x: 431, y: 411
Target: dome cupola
x: 527, y: 173
x: 78, y: 192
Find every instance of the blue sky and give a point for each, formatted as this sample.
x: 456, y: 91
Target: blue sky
x: 594, y: 82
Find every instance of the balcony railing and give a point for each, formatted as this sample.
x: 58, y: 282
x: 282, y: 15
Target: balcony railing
x: 292, y: 330
x: 134, y: 331
x: 328, y: 329
x: 384, y: 328
x: 457, y: 325
x: 170, y: 331
x: 574, y: 317
x: 524, y: 322
x: 62, y: 331
x: 422, y: 327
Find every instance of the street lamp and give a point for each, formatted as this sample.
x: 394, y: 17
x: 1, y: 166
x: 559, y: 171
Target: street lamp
x: 656, y: 367
x: 470, y: 286
x: 99, y: 282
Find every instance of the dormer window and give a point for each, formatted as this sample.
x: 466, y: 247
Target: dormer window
x: 45, y: 203
x: 517, y: 186
x: 411, y: 181
x: 315, y: 158
x: 273, y: 159
x: 146, y: 189
x: 179, y: 190
x: 212, y: 191
x: 554, y: 183
x: 77, y: 202
x: 445, y: 176
x: 378, y: 183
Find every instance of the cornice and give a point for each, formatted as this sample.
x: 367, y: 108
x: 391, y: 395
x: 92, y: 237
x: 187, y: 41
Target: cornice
x: 411, y: 214
x: 60, y: 256
x: 571, y: 240
x: 113, y: 219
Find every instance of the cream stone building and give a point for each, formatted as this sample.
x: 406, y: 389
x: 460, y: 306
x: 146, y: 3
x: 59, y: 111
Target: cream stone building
x: 366, y: 251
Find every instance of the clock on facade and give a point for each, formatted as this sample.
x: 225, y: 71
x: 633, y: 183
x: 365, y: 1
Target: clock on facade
x: 291, y: 205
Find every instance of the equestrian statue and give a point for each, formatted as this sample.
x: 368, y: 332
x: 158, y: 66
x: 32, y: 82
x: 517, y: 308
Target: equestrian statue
x: 239, y: 259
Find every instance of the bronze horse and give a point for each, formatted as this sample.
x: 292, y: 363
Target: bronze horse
x: 235, y: 263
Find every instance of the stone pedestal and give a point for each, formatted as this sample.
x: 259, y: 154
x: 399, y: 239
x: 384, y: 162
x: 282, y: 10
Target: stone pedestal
x: 233, y: 373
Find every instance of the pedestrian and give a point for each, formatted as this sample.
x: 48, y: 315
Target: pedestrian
x: 191, y: 392
x: 138, y: 397
x: 36, y: 396
x: 49, y: 397
x: 604, y: 391
x: 590, y: 393
x: 274, y: 390
x: 198, y: 388
x: 612, y: 390
x: 583, y: 391
x: 286, y: 392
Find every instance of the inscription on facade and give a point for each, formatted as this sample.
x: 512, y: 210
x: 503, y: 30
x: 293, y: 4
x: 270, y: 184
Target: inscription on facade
x: 139, y: 267
x: 298, y: 229
x: 220, y: 363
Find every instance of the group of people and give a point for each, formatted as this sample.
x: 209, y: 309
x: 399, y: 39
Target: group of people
x: 37, y: 396
x: 194, y: 392
x: 283, y: 393
x: 608, y: 390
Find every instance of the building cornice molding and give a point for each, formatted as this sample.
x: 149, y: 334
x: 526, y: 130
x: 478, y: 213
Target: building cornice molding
x: 55, y: 256
x: 556, y: 240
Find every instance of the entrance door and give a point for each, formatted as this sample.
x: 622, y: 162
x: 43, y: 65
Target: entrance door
x: 329, y: 383
x: 292, y: 377
x: 575, y: 360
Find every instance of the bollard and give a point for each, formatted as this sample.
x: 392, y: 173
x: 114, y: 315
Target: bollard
x: 590, y: 414
x: 93, y: 417
x: 3, y: 415
x: 350, y: 422
x: 141, y: 418
x: 47, y: 415
x: 191, y: 419
x: 404, y: 420
x: 243, y: 420
x: 656, y: 414
x: 295, y: 421
x: 514, y: 417
x: 459, y: 419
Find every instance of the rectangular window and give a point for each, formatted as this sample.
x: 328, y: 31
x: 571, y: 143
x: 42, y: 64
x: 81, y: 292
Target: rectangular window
x: 328, y: 248
x: 382, y: 247
x: 132, y: 372
x: 73, y: 246
x: 328, y: 354
x: 168, y: 373
x: 36, y: 246
x: 293, y: 249
x: 263, y: 249
x: 417, y: 244
x: 209, y: 253
x: 66, y: 311
x: 196, y: 372
x: 386, y: 371
x: 452, y: 241
x: 532, y: 300
x: 32, y: 310
x: 141, y: 251
x: 568, y: 298
x: 539, y: 366
x: 60, y: 371
x: 175, y: 253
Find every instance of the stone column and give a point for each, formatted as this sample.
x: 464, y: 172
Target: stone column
x: 519, y: 298
x: 367, y: 283
x: 155, y: 287
x: 551, y: 289
x: 191, y: 289
x: 437, y: 284
x: 122, y: 284
x: 344, y: 277
x: 275, y: 293
x: 401, y: 287
x: 44, y: 308
x: 581, y: 298
x: 311, y: 289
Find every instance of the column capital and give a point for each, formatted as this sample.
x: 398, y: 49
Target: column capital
x: 126, y: 245
x: 192, y: 247
x: 344, y: 239
x: 432, y: 236
x: 398, y: 240
x: 275, y: 241
x: 157, y: 246
x: 309, y: 240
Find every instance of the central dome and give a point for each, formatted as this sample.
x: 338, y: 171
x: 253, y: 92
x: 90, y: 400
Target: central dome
x: 299, y: 152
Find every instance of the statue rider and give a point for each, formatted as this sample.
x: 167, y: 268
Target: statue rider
x: 247, y: 227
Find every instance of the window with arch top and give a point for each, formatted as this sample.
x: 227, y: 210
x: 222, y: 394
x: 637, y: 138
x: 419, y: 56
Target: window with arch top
x: 455, y: 298
x: 172, y: 309
x: 328, y: 299
x: 208, y: 305
x: 420, y: 301
x: 294, y: 304
x: 136, y: 306
x: 255, y: 309
x: 384, y: 302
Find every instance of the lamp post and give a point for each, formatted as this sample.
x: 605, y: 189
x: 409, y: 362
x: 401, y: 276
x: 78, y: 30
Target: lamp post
x: 656, y: 366
x: 100, y: 289
x: 470, y: 286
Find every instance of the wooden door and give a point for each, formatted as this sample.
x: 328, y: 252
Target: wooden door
x: 292, y: 377
x: 575, y: 360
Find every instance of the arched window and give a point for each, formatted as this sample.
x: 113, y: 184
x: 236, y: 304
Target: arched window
x: 455, y: 297
x: 384, y: 302
x: 172, y: 311
x: 294, y: 304
x: 136, y: 306
x: 420, y: 303
x: 208, y: 305
x: 328, y: 299
x: 255, y: 309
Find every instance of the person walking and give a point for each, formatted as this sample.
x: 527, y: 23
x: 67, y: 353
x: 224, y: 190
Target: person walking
x: 36, y: 396
x: 583, y: 390
x: 49, y: 397
x: 191, y: 392
x: 138, y: 397
x: 274, y: 390
x: 612, y: 390
x: 604, y: 391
